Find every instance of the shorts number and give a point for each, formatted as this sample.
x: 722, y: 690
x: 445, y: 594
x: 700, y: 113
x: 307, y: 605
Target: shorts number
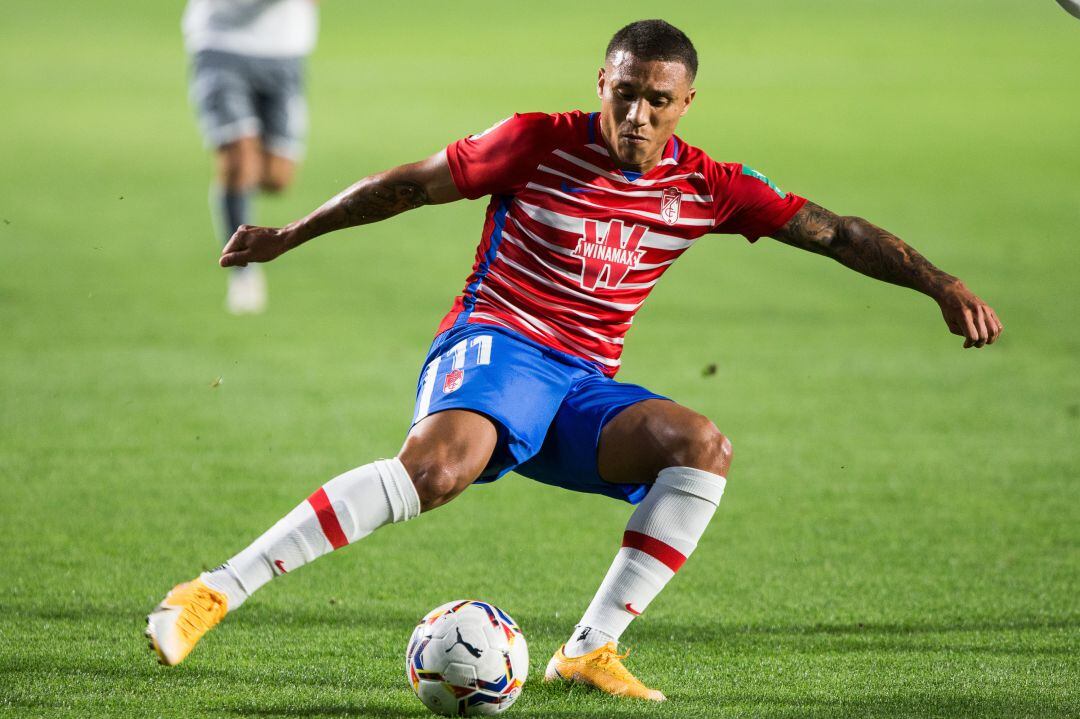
x: 456, y: 375
x: 483, y: 353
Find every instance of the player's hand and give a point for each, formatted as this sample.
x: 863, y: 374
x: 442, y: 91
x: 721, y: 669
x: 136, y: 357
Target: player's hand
x: 255, y: 244
x: 968, y: 316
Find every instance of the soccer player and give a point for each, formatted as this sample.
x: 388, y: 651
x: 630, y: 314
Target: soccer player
x: 247, y: 84
x: 587, y: 211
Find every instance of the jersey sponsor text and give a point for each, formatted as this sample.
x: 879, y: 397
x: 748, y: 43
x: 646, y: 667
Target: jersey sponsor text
x: 610, y: 256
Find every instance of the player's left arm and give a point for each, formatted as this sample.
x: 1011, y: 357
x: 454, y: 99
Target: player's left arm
x: 867, y: 248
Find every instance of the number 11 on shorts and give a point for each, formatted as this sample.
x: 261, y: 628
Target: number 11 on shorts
x: 455, y: 376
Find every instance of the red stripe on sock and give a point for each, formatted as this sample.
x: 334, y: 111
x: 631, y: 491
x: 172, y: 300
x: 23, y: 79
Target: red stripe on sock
x: 327, y: 518
x: 666, y: 553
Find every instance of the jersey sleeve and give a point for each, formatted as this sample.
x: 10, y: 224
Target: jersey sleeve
x: 749, y: 204
x: 499, y: 160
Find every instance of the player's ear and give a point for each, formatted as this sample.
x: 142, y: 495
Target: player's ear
x: 690, y: 95
x: 689, y: 98
x: 600, y: 84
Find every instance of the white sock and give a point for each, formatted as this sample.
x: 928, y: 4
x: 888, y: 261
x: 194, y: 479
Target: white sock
x: 662, y: 532
x: 345, y: 509
x: 586, y: 639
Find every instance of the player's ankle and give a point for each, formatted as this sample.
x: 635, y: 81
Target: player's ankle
x: 223, y: 580
x: 584, y: 640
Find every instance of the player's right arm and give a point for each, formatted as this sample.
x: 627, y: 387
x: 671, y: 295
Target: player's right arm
x: 496, y: 161
x: 374, y: 198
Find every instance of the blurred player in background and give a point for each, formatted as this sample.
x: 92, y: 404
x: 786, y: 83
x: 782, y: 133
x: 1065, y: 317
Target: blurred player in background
x: 247, y: 85
x: 587, y: 211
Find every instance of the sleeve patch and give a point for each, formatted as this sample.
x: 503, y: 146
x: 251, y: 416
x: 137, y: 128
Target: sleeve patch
x: 758, y: 176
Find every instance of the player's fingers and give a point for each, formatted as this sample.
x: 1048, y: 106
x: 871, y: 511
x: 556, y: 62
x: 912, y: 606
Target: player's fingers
x: 244, y: 236
x: 951, y: 322
x: 993, y: 327
x: 234, y: 259
x: 999, y: 328
x: 234, y: 244
x: 970, y: 333
x: 981, y: 326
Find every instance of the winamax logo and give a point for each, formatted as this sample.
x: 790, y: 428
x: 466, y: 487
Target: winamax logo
x: 608, y: 258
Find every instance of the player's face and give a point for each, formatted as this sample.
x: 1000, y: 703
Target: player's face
x: 641, y: 103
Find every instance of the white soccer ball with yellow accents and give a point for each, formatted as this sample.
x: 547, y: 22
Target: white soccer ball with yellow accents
x: 467, y: 658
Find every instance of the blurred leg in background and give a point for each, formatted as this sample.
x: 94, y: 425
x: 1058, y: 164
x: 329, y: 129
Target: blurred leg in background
x: 247, y: 86
x: 238, y: 175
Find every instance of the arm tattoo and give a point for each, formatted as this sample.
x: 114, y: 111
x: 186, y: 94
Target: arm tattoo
x: 380, y: 200
x: 370, y: 200
x: 864, y: 247
x: 812, y: 228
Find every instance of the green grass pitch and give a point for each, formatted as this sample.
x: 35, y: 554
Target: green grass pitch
x: 901, y: 535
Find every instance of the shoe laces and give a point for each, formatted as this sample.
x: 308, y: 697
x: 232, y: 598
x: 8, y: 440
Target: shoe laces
x: 612, y: 662
x: 202, y: 610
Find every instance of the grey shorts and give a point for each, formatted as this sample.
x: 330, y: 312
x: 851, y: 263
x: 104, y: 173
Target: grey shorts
x: 239, y: 96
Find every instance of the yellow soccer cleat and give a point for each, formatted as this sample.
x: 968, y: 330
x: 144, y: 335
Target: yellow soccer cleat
x: 603, y: 669
x: 176, y: 625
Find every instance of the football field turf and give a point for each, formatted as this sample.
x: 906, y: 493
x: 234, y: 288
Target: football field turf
x: 901, y: 531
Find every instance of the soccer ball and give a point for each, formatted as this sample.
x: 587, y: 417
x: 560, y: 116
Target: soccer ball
x: 1071, y: 6
x: 467, y: 658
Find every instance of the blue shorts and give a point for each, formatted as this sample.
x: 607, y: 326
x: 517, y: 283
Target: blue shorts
x: 548, y: 407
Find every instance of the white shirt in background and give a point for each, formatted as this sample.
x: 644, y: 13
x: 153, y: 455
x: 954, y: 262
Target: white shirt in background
x: 261, y: 28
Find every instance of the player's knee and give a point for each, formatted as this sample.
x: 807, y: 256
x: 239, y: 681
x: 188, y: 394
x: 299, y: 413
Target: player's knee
x: 436, y: 482
x: 277, y: 173
x: 238, y: 180
x: 700, y: 444
x: 725, y: 453
x: 239, y: 165
x: 274, y: 184
x: 237, y: 177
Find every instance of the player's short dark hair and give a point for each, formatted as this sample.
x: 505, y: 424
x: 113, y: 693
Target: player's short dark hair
x: 655, y: 40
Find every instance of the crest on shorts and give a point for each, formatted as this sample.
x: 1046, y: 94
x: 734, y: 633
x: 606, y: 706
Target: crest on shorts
x: 453, y: 380
x: 669, y: 204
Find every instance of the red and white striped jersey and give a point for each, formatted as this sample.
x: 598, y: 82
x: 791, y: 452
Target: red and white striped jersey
x: 572, y: 245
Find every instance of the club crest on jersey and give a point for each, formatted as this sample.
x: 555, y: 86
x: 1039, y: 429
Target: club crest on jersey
x: 670, y: 202
x: 453, y: 380
x: 608, y: 258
